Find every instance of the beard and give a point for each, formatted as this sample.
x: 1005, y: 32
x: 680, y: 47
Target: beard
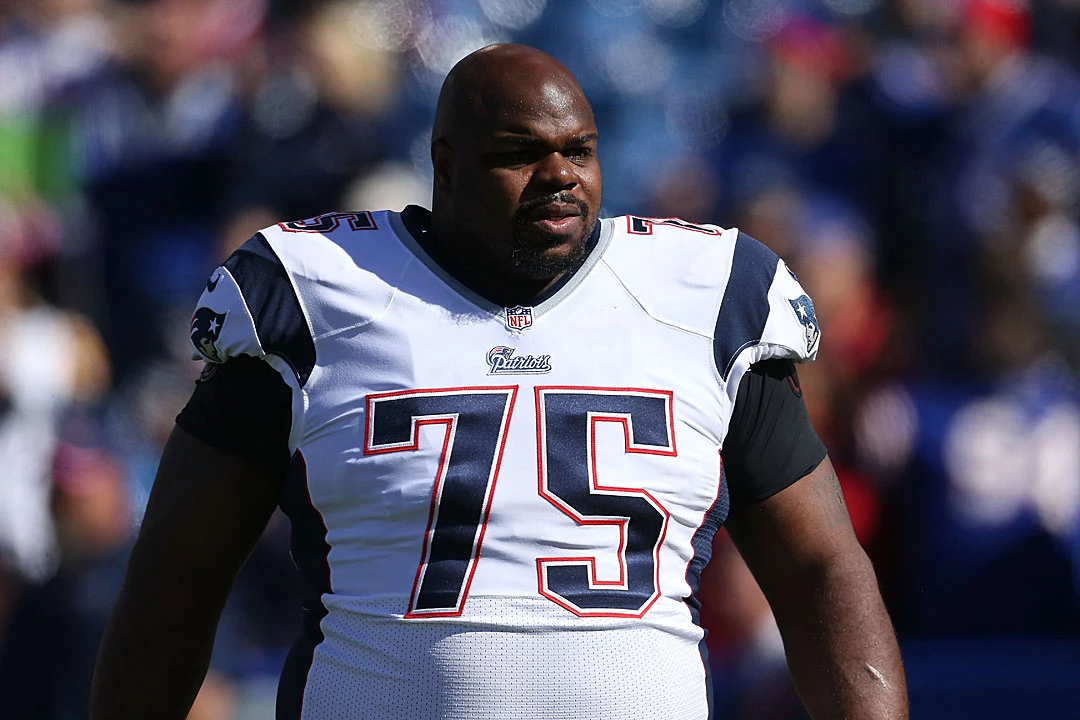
x: 532, y: 254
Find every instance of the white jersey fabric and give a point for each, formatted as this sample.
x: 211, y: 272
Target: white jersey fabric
x: 503, y: 512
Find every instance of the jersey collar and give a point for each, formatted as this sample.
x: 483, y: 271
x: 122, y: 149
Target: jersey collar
x: 412, y: 227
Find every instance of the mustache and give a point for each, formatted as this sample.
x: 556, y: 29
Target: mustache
x: 565, y: 198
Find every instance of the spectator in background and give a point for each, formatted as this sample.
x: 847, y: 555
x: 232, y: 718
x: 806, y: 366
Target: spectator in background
x: 47, y: 655
x: 988, y: 473
x: 811, y: 130
x: 313, y: 98
x: 1043, y: 237
x: 1004, y: 97
x: 50, y: 360
x: 48, y: 651
x: 155, y: 135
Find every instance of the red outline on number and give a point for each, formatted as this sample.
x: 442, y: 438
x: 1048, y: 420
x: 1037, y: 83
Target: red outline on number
x: 594, y: 485
x: 414, y: 444
x: 630, y: 225
x: 338, y: 215
x: 678, y: 223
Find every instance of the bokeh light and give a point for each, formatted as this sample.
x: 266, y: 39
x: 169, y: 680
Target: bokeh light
x: 445, y: 41
x: 675, y: 13
x: 615, y: 8
x: 513, y: 14
x: 852, y: 7
x: 637, y: 63
x: 386, y: 24
x: 756, y: 20
x: 698, y: 121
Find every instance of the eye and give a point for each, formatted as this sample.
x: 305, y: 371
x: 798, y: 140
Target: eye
x: 514, y: 158
x: 578, y: 154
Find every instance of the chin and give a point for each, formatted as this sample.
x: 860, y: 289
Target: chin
x: 546, y: 256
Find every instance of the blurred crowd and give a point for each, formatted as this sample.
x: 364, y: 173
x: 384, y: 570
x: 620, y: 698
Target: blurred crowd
x: 917, y: 162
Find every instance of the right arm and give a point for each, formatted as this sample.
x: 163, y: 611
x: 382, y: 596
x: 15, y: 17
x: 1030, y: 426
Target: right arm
x: 218, y: 483
x: 207, y: 509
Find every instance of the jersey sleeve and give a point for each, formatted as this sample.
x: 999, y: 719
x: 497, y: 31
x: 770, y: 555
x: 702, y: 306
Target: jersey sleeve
x: 250, y: 309
x: 243, y: 406
x: 764, y: 313
x: 770, y: 442
x: 222, y: 325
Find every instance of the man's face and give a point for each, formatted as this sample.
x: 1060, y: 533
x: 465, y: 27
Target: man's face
x: 526, y: 179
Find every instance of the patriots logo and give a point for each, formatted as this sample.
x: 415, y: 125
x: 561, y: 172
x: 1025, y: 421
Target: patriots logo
x: 205, y: 330
x: 501, y: 360
x: 804, y: 311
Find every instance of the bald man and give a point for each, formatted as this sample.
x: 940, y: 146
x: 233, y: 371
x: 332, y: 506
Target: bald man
x: 505, y: 433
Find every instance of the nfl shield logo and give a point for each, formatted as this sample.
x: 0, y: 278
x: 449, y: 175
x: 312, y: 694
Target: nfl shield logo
x: 518, y: 318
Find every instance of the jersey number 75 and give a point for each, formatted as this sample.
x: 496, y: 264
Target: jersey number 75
x: 475, y: 421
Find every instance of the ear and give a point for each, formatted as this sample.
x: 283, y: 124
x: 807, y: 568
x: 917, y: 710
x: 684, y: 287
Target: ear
x: 442, y: 160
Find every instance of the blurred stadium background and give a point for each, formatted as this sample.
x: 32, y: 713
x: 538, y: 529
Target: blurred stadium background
x: 916, y: 161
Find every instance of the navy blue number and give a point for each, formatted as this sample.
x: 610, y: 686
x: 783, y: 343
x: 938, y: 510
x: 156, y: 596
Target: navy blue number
x: 328, y: 222
x: 644, y: 226
x: 566, y: 418
x: 475, y: 420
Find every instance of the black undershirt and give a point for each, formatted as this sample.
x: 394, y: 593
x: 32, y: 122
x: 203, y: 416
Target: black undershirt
x: 245, y: 407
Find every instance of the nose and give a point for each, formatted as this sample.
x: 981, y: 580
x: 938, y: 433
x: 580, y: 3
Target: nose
x: 555, y: 172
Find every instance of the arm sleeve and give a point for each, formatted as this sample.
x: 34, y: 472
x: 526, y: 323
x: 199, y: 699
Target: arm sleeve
x: 250, y: 327
x: 243, y: 406
x: 770, y: 442
x: 764, y: 313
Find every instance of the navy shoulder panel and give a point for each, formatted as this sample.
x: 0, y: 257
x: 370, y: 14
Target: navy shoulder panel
x: 745, y: 307
x: 269, y: 294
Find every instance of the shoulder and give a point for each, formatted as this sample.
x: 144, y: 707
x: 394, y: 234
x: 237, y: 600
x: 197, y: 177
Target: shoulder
x: 316, y: 246
x: 295, y: 281
x: 675, y: 269
x: 718, y: 282
x: 764, y: 312
x: 250, y: 307
x: 672, y: 246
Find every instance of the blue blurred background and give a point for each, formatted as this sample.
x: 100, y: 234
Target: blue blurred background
x: 917, y: 162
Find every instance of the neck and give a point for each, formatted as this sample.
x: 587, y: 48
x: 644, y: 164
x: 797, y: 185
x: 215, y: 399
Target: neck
x: 491, y: 282
x: 495, y: 283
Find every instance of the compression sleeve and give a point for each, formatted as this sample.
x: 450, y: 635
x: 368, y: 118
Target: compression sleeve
x: 243, y: 406
x: 770, y: 442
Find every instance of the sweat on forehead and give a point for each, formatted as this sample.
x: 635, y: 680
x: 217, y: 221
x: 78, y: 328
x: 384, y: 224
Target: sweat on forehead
x: 501, y: 79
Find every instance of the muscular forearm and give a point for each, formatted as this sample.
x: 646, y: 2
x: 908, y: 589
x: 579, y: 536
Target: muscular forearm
x: 155, y: 651
x: 839, y: 640
x: 841, y: 647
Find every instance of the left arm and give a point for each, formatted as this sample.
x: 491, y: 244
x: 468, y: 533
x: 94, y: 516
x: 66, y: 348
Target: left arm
x: 840, y: 643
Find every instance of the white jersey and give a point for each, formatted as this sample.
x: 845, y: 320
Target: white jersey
x: 478, y: 490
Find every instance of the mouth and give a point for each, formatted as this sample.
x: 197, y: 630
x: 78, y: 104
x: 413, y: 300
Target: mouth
x: 555, y: 218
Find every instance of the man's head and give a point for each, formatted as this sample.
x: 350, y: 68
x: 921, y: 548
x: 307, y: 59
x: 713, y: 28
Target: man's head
x: 517, y: 181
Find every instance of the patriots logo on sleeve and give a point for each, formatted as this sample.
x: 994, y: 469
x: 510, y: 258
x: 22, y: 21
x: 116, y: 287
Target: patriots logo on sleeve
x: 804, y: 311
x: 205, y: 330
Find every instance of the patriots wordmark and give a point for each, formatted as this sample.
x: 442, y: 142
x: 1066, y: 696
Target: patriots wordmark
x: 502, y: 361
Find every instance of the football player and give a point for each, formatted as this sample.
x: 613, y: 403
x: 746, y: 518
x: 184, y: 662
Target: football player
x: 505, y: 432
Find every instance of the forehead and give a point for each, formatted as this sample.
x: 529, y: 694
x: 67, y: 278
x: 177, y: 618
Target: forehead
x: 548, y: 106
